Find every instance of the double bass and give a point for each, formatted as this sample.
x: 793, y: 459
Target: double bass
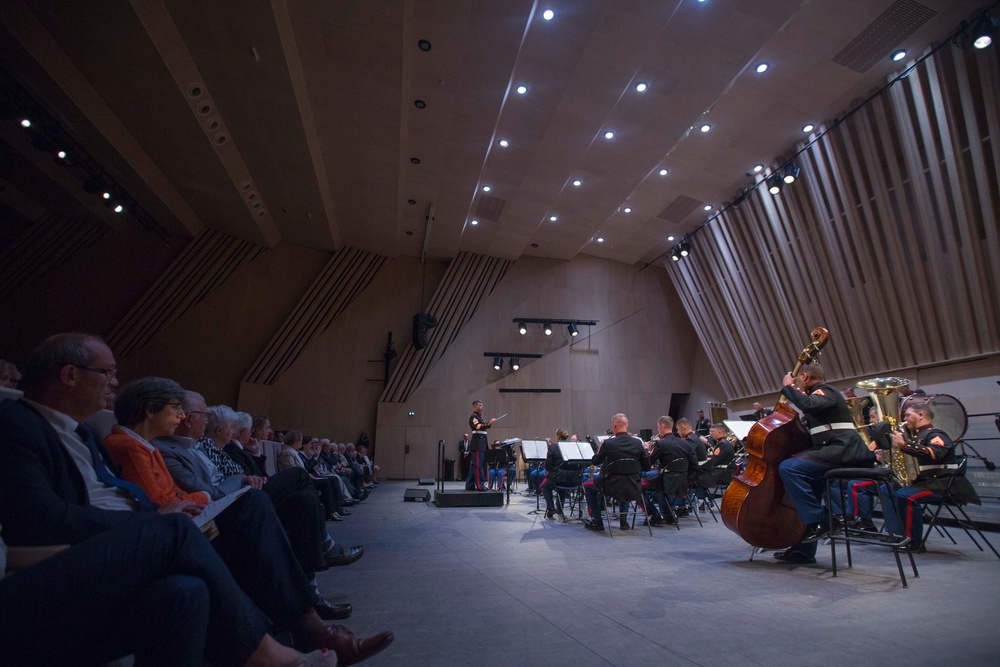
x: 755, y: 506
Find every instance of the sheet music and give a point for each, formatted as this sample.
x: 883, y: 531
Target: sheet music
x: 739, y: 428
x: 576, y: 451
x: 534, y: 449
x: 216, y: 507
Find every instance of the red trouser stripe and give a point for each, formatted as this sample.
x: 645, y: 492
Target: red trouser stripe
x: 910, y: 502
x: 854, y: 493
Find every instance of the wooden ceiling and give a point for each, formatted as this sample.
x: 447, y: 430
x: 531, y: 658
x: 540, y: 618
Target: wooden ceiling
x: 296, y: 119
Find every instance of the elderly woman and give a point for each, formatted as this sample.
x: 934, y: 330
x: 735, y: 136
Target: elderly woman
x: 290, y: 458
x: 147, y: 409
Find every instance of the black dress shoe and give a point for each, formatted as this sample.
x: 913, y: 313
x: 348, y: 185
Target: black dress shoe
x: 623, y: 524
x: 594, y: 526
x: 332, y: 612
x: 793, y: 557
x: 346, y: 556
x: 814, y: 531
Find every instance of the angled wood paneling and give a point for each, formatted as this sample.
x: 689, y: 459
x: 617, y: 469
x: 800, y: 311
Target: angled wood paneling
x: 889, y: 238
x: 40, y: 248
x: 345, y: 276
x: 204, y: 265
x: 470, y: 278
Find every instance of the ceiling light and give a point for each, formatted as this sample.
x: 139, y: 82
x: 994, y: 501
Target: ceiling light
x: 553, y: 218
x: 986, y: 28
x: 627, y: 209
x: 600, y: 239
x: 670, y: 238
x: 522, y: 328
x: 497, y: 363
x: 61, y: 155
x: 521, y: 90
x: 547, y: 328
x: 808, y: 127
x: 708, y: 207
x: 548, y: 15
x: 107, y: 195
x: 664, y: 172
x: 898, y: 55
x: 119, y: 208
x: 791, y: 173
x: 774, y: 184
x: 577, y: 183
x: 685, y: 248
x: 761, y: 68
x: 573, y: 331
x: 757, y: 168
x: 25, y: 123
x: 420, y: 104
x: 515, y: 363
x: 676, y: 255
x: 487, y: 188
x: 415, y: 160
x: 473, y: 222
x: 504, y: 143
x: 641, y: 87
x: 609, y: 135
x: 705, y: 127
x: 424, y: 45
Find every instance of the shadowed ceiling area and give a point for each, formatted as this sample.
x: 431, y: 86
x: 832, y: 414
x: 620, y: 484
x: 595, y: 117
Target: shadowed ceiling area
x: 377, y: 125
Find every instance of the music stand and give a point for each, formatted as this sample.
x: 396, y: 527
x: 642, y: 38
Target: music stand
x: 534, y: 451
x: 576, y: 456
x: 509, y: 460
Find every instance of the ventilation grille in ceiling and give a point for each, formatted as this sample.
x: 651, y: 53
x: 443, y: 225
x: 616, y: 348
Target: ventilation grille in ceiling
x: 490, y: 208
x: 882, y: 35
x: 680, y: 208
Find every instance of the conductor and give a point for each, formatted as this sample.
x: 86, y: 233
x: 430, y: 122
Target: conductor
x: 476, y: 481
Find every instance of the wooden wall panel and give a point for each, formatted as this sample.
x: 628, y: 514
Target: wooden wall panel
x: 889, y: 238
x: 203, y: 266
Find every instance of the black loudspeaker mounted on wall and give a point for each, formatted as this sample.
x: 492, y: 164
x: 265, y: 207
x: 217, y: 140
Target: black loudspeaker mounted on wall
x: 413, y: 495
x: 421, y: 323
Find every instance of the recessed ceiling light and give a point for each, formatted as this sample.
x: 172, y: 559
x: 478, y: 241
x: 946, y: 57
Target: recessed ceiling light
x: 521, y: 90
x: 504, y: 143
x: 757, y: 168
x: 553, y: 218
x: 107, y: 195
x: 898, y: 55
x: 664, y: 172
x: 473, y: 222
x: 808, y: 127
x: 708, y: 207
x: 761, y: 68
x: 600, y: 239
x: 25, y: 123
x: 627, y: 209
x: 641, y: 87
x: 577, y: 183
x: 424, y: 45
x: 119, y: 208
x: 420, y: 104
x: 61, y: 155
x: 705, y: 127
x: 670, y: 238
x: 548, y: 15
x: 487, y: 188
x: 609, y: 135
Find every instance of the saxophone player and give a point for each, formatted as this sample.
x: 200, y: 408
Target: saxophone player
x: 935, y: 453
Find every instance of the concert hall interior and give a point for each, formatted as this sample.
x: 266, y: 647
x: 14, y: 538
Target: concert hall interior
x: 354, y: 216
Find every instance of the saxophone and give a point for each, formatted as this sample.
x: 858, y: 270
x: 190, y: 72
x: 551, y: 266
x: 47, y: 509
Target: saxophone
x: 884, y: 393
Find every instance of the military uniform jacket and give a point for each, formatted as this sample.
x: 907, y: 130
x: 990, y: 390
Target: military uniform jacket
x: 621, y: 446
x: 822, y: 407
x: 934, y: 452
x: 478, y: 441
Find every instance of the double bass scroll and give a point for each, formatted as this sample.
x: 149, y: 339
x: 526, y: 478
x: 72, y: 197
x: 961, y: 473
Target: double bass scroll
x: 755, y: 506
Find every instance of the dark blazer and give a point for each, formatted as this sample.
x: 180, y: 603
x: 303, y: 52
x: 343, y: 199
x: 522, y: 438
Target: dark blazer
x: 189, y: 473
x: 243, y: 458
x: 43, y: 498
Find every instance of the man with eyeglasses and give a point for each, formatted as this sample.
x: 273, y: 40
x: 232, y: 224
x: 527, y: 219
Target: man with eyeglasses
x: 57, y: 486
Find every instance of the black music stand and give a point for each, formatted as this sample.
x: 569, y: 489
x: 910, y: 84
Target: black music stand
x: 534, y: 451
x: 576, y: 456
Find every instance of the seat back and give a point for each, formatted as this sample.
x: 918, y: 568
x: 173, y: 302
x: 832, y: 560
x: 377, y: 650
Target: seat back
x: 622, y: 479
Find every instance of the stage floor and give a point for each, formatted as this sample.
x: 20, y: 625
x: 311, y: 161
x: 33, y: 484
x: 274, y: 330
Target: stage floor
x: 497, y: 586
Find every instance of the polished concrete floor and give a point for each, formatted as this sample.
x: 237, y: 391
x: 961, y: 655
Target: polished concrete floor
x: 497, y: 586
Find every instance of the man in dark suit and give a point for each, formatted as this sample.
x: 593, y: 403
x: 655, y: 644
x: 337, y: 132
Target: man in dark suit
x: 620, y: 446
x: 702, y: 426
x: 759, y: 412
x: 58, y: 486
x: 463, y: 455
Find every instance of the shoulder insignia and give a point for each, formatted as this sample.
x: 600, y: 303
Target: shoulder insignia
x: 820, y: 392
x: 936, y: 440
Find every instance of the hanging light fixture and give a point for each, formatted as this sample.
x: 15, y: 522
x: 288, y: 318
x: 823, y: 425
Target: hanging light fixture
x: 497, y: 363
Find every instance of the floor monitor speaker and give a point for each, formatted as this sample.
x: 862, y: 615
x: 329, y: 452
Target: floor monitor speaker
x: 413, y: 495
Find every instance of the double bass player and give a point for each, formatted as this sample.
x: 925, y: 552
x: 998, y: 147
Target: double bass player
x: 835, y: 444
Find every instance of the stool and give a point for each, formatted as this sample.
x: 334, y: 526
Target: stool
x: 882, y: 478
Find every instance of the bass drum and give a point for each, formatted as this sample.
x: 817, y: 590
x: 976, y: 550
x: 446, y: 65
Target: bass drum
x: 949, y: 413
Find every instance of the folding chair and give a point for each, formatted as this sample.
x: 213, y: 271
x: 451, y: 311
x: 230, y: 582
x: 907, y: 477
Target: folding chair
x: 623, y: 478
x: 949, y: 502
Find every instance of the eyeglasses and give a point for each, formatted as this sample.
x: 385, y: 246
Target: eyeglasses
x: 176, y: 406
x: 110, y: 373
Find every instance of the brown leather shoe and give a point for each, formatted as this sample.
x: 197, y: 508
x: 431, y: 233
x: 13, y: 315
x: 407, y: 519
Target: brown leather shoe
x: 349, y: 648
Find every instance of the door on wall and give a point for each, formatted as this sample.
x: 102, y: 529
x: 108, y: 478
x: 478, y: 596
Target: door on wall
x: 420, y: 452
x: 678, y: 403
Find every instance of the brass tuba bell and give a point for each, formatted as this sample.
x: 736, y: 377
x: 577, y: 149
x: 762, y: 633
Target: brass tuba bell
x: 884, y: 393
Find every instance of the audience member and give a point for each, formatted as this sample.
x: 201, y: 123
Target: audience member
x: 9, y: 375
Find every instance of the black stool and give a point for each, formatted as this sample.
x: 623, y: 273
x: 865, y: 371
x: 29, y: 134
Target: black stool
x: 882, y: 478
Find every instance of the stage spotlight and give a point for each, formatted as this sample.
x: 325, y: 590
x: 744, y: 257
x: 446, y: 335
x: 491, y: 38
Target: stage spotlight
x: 522, y: 328
x: 774, y: 184
x: 791, y: 173
x: 548, y: 329
x: 685, y: 248
x: 515, y: 363
x: 497, y: 363
x: 573, y: 331
x: 983, y: 32
x: 676, y: 255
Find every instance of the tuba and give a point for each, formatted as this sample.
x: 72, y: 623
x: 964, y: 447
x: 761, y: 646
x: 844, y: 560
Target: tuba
x: 858, y: 405
x: 884, y: 393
